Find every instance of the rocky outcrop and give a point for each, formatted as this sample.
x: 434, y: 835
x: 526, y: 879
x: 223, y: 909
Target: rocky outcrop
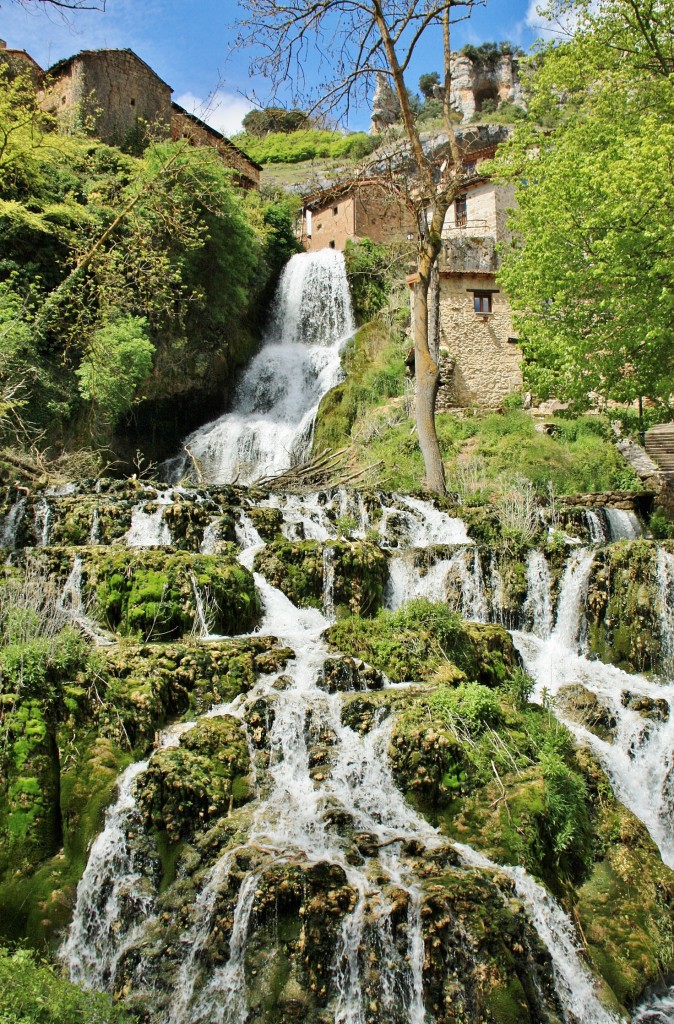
x: 385, y: 105
x: 476, y: 81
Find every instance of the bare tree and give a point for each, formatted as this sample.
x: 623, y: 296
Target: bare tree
x: 351, y: 41
x: 65, y: 5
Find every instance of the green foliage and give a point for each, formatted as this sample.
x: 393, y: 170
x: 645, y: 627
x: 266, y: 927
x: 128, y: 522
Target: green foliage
x: 567, y: 822
x: 274, y: 119
x: 592, y: 282
x: 306, y: 144
x: 490, y: 53
x: 33, y: 992
x: 373, y: 361
x: 371, y: 269
x: 102, y: 256
x: 423, y: 640
x: 427, y: 82
x: 117, y: 360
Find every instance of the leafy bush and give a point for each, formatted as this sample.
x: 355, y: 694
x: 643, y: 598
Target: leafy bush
x: 33, y: 992
x: 274, y: 119
x: 306, y: 144
x: 117, y: 360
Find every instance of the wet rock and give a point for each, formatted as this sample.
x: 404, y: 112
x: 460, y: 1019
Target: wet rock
x: 583, y: 706
x: 652, y: 708
x: 341, y: 675
x: 186, y: 787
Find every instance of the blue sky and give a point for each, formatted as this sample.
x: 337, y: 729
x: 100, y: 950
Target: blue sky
x: 187, y: 42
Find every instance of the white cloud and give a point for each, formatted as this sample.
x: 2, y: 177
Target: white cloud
x: 223, y: 111
x: 559, y: 28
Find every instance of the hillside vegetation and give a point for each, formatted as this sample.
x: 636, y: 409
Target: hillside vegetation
x: 127, y: 284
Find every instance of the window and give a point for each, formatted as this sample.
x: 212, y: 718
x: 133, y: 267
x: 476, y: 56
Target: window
x: 482, y: 302
x: 335, y: 211
x: 133, y: 103
x: 470, y: 167
x: 461, y: 210
x: 331, y: 243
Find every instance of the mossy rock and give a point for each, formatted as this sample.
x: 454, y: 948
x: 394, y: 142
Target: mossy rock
x: 423, y: 638
x: 204, y: 777
x: 152, y: 593
x: 622, y: 606
x: 297, y: 568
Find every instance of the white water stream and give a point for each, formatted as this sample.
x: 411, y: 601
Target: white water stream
x: 271, y: 423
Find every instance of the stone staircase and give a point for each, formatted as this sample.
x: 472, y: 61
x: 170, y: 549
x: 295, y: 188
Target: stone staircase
x: 659, y: 445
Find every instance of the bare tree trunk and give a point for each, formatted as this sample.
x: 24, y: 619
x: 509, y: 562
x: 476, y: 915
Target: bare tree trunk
x: 427, y: 376
x: 434, y: 313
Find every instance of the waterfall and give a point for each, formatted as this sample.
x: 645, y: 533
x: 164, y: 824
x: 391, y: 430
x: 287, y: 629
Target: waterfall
x: 538, y: 605
x: 42, y: 517
x: 622, y: 525
x: 572, y: 598
x: 148, y: 529
x: 666, y: 610
x: 574, y: 983
x: 271, y: 423
x: 111, y: 885
x: 95, y: 531
x: 114, y: 896
x: 11, y: 524
x: 595, y: 526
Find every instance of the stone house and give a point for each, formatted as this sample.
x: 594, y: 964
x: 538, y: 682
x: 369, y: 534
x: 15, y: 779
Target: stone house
x: 479, y: 355
x: 189, y: 126
x: 360, y: 208
x: 117, y: 97
x: 20, y: 63
x: 112, y: 93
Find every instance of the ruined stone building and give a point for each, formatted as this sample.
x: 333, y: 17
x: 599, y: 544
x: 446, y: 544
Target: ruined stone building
x: 360, y: 208
x: 118, y: 98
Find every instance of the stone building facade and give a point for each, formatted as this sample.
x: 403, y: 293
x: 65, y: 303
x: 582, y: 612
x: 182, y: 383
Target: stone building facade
x: 111, y: 93
x: 18, y: 62
x: 118, y: 98
x: 354, y: 210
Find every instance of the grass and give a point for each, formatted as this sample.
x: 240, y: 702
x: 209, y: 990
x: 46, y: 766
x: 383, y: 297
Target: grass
x: 485, y: 453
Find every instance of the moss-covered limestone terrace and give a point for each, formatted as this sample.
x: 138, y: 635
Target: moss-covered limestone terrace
x: 465, y: 748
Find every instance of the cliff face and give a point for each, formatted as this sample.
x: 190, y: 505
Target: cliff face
x: 476, y: 81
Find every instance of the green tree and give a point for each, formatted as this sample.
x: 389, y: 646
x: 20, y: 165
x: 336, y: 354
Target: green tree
x: 590, y: 270
x: 427, y: 83
x: 274, y: 119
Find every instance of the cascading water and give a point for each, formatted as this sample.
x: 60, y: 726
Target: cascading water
x: 575, y: 985
x: 291, y: 820
x: 538, y: 605
x: 271, y: 423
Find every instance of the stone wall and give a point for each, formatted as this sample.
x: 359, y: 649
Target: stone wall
x: 186, y: 125
x: 629, y: 501
x: 486, y: 365
x: 111, y: 92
